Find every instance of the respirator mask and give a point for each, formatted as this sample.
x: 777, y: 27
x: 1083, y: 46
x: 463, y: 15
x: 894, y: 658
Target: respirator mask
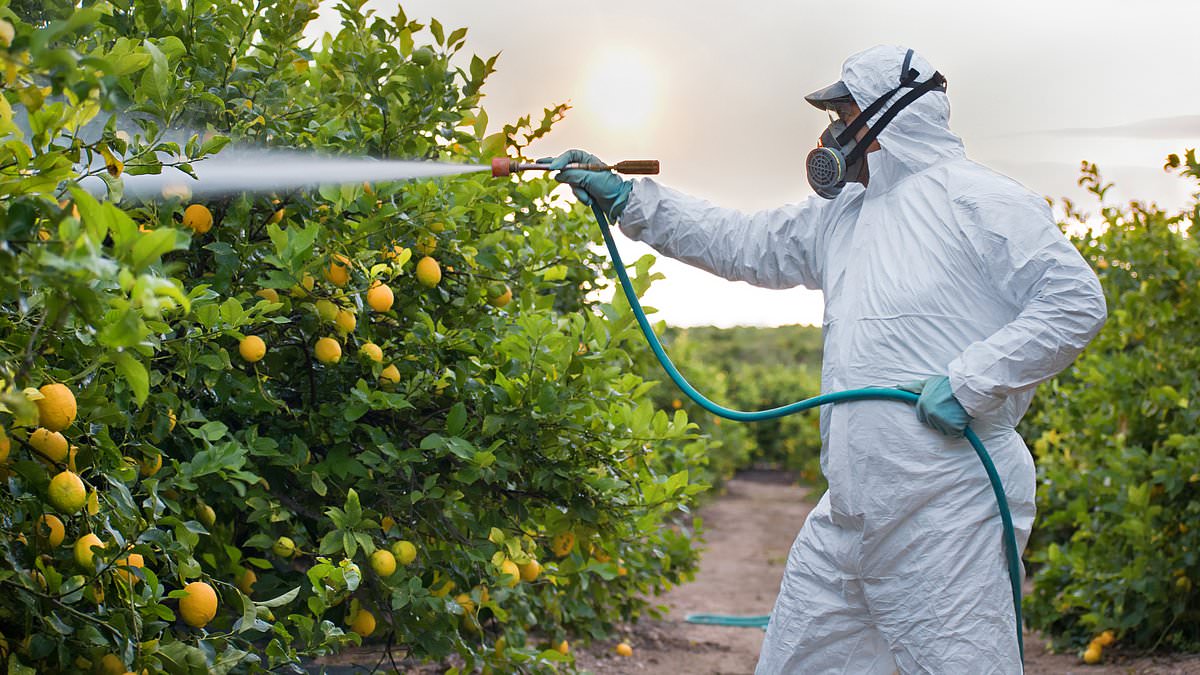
x: 839, y: 155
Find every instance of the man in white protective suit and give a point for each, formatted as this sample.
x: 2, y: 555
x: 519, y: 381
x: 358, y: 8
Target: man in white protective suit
x: 934, y: 269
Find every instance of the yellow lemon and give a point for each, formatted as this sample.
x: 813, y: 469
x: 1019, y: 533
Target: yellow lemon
x: 345, y: 321
x: 56, y: 409
x: 404, y: 551
x: 131, y: 560
x: 246, y: 580
x: 85, y: 554
x: 338, y: 272
x: 50, y: 528
x: 373, y: 352
x: 67, y: 493
x: 380, y: 297
x: 268, y: 294
x: 1106, y: 638
x: 326, y: 310
x: 383, y: 562
x: 510, y: 568
x: 304, y: 287
x: 284, y: 547
x: 198, y: 218
x: 199, y: 606
x: 502, y: 299
x: 7, y: 33
x: 111, y: 664
x: 563, y: 543
x: 530, y: 570
x: 252, y: 348
x: 465, y: 602
x: 51, y: 444
x: 386, y: 523
x: 363, y: 623
x: 328, y: 350
x: 151, y: 465
x: 391, y: 374
x: 562, y: 647
x: 206, y: 515
x: 624, y: 649
x: 1092, y: 655
x: 429, y: 272
x: 426, y: 244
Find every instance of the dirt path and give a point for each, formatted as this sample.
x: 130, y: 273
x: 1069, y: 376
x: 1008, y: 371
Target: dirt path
x: 749, y: 531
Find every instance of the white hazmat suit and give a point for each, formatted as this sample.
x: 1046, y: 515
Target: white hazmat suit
x: 939, y: 266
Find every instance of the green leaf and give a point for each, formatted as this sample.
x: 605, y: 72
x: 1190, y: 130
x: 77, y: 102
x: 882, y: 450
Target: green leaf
x: 151, y: 246
x: 135, y: 374
x: 281, y: 600
x: 456, y: 420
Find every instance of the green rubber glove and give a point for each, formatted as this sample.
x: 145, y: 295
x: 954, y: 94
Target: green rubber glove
x: 605, y: 188
x: 937, y: 408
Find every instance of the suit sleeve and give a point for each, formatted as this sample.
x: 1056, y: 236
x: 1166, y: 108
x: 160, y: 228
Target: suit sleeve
x: 1058, y: 299
x: 773, y: 248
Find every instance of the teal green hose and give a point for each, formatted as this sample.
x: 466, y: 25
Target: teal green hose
x: 1009, y: 536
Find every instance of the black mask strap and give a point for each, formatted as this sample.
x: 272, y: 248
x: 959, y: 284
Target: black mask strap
x: 936, y: 81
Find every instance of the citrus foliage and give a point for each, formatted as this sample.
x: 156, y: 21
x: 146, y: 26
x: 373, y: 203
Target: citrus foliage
x: 252, y: 427
x: 749, y: 369
x: 1116, y: 442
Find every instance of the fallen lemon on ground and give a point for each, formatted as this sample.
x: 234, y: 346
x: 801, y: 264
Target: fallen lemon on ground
x: 252, y: 348
x: 562, y: 647
x: 199, y: 606
x: 56, y: 410
x: 624, y: 649
x: 1092, y: 654
x: 67, y: 493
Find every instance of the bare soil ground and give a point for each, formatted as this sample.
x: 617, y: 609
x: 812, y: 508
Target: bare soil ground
x: 749, y: 531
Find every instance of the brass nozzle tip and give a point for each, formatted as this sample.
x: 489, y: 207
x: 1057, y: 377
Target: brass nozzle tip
x: 501, y: 167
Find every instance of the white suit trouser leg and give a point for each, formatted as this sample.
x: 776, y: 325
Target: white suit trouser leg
x: 821, y: 623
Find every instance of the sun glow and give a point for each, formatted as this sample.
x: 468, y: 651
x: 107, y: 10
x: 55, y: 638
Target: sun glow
x: 622, y: 92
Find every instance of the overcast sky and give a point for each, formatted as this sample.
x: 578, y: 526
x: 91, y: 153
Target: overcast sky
x: 1035, y: 87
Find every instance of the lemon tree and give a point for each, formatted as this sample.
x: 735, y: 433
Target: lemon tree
x: 1116, y: 551
x: 216, y: 421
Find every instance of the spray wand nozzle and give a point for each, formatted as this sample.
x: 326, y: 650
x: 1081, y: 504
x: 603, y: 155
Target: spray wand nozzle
x: 505, y: 166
